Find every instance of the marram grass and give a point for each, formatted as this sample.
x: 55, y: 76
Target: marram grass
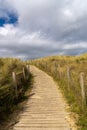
x: 66, y: 71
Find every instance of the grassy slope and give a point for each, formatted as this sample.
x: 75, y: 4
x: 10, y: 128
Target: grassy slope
x: 7, y: 92
x: 56, y: 66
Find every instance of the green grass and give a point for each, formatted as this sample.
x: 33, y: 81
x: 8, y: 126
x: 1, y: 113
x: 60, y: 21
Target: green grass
x: 9, y: 117
x: 8, y: 101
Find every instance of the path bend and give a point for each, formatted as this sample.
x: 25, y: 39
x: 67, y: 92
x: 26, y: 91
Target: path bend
x: 45, y: 109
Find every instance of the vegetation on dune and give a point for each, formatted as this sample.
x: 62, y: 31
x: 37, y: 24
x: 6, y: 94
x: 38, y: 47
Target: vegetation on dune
x: 70, y: 72
x: 8, y: 99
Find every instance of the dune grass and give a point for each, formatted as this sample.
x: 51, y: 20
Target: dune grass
x: 8, y: 101
x: 66, y: 71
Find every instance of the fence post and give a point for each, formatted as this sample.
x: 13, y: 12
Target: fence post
x: 15, y: 83
x: 60, y: 75
x: 28, y: 70
x: 68, y: 76
x: 82, y: 89
x: 24, y: 73
x: 56, y: 65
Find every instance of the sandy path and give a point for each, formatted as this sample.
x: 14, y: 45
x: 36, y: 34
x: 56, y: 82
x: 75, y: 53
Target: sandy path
x: 45, y: 109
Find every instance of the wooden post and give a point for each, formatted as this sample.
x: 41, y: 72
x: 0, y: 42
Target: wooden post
x: 82, y: 89
x: 28, y: 70
x: 15, y: 83
x: 60, y: 75
x: 68, y: 77
x: 56, y: 65
x: 24, y: 73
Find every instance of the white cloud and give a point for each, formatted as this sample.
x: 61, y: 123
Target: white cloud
x: 45, y: 26
x: 8, y: 30
x: 75, y: 45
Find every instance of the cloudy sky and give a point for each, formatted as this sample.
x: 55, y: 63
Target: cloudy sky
x: 37, y: 28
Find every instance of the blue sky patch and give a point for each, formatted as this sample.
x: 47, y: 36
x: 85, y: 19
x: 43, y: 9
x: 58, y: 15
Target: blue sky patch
x: 12, y: 20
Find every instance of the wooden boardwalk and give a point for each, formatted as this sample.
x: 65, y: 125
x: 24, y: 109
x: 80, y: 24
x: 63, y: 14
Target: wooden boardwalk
x: 45, y: 110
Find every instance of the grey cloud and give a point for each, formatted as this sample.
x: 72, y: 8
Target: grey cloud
x: 29, y: 52
x: 77, y: 31
x: 57, y: 24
